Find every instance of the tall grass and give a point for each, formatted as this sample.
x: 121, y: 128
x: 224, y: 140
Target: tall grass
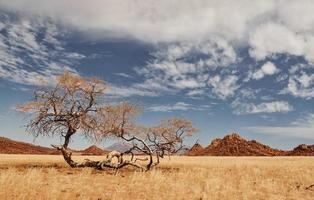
x: 47, y: 177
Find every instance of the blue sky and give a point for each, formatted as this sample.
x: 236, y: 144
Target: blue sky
x: 228, y: 66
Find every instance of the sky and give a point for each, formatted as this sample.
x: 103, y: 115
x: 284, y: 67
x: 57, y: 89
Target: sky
x: 229, y: 66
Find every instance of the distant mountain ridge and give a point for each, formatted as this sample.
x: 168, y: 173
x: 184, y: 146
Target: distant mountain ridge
x: 8, y: 146
x: 230, y: 145
x: 119, y: 146
x: 235, y: 145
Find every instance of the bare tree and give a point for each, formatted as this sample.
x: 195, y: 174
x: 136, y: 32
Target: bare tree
x: 73, y: 106
x: 166, y: 138
x: 65, y: 109
x: 169, y: 136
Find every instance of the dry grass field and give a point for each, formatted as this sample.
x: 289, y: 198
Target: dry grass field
x: 47, y: 177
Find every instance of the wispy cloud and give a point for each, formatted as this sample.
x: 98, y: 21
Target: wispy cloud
x: 32, y: 57
x: 179, y: 106
x: 302, y: 128
x: 224, y: 87
x: 184, y: 59
x: 125, y: 75
x: 301, y: 85
x: 265, y: 107
x: 123, y: 92
x: 187, y: 67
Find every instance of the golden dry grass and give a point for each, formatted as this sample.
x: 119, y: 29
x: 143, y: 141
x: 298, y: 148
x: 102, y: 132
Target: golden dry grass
x: 47, y: 177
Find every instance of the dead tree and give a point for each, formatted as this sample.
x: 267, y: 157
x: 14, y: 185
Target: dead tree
x: 154, y: 142
x: 168, y: 137
x: 65, y: 109
x: 73, y: 106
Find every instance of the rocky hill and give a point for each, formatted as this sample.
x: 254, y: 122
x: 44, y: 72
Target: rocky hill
x: 235, y: 145
x: 196, y: 150
x: 93, y: 150
x: 302, y: 150
x: 8, y: 146
x: 230, y: 145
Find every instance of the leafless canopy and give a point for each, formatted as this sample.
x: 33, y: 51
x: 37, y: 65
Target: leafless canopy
x: 73, y: 106
x: 70, y: 106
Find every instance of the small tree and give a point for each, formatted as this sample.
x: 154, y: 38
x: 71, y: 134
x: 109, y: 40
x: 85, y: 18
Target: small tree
x: 74, y: 106
x: 65, y: 109
x: 167, y: 137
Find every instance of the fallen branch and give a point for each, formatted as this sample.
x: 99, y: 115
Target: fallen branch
x: 100, y: 165
x: 106, y: 164
x: 309, y: 187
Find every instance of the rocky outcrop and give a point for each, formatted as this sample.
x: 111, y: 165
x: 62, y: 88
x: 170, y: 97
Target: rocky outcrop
x: 234, y: 145
x: 196, y: 150
x: 302, y: 150
x: 94, y: 150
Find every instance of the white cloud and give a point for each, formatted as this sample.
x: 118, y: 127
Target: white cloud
x: 133, y: 90
x: 179, y: 106
x: 196, y: 41
x: 303, y: 10
x: 196, y: 93
x: 272, y: 38
x: 266, y: 107
x: 301, y: 86
x: 302, y: 128
x: 161, y: 21
x: 268, y: 27
x: 223, y: 87
x: 268, y: 68
x: 186, y: 66
x: 125, y: 75
x: 26, y: 59
x: 247, y: 93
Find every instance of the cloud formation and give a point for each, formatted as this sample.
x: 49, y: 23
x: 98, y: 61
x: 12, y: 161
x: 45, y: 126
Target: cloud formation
x: 200, y: 47
x: 224, y: 87
x: 179, y: 106
x: 267, y: 69
x: 302, y: 128
x: 265, y: 107
x: 28, y: 60
x: 301, y: 85
x: 187, y: 66
x: 152, y: 21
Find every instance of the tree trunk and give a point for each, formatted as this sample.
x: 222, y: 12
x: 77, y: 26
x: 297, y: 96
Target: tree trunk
x: 100, y: 165
x: 67, y: 155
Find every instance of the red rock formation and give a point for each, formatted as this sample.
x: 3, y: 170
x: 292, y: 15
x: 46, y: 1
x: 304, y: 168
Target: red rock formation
x: 230, y: 145
x: 235, y: 145
x: 302, y: 150
x: 8, y: 146
x: 93, y: 150
x: 196, y: 150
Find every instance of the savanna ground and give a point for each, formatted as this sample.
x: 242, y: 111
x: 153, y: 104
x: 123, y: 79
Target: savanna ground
x: 48, y: 177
